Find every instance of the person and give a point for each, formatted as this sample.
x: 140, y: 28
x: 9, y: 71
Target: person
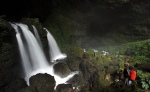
x: 126, y: 74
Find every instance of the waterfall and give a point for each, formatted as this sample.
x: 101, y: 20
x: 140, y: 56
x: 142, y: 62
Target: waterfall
x: 54, y: 50
x: 32, y: 55
x: 33, y: 59
x: 37, y: 36
x: 26, y: 65
x: 36, y: 53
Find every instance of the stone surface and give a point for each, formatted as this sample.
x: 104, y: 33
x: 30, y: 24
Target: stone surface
x: 42, y: 82
x: 61, y: 69
x: 64, y: 88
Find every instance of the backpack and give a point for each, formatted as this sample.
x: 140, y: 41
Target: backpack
x: 132, y: 75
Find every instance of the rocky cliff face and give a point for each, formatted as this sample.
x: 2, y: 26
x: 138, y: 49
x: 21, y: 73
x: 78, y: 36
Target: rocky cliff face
x: 99, y: 22
x: 10, y: 62
x: 11, y: 67
x: 9, y: 58
x: 103, y: 22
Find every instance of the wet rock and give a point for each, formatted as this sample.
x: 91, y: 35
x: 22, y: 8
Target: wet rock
x: 61, y: 69
x: 64, y: 88
x: 77, y: 81
x: 42, y: 83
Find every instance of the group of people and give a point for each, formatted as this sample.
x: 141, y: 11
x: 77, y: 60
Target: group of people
x: 128, y: 74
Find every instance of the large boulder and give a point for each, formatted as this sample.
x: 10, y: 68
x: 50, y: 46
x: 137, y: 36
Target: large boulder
x: 64, y: 88
x: 61, y: 69
x: 42, y: 82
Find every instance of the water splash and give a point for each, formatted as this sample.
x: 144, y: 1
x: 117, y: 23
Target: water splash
x: 58, y: 79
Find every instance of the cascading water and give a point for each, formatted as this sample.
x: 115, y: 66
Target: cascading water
x: 33, y: 58
x: 37, y: 56
x: 37, y: 36
x: 54, y: 50
x: 26, y: 65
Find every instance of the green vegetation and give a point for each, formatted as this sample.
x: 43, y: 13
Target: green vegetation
x: 145, y: 79
x: 136, y: 53
x: 75, y: 52
x: 91, y: 23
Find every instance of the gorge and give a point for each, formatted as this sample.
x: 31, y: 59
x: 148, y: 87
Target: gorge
x: 78, y: 45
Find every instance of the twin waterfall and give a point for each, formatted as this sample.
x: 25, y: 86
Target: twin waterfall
x: 31, y: 51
